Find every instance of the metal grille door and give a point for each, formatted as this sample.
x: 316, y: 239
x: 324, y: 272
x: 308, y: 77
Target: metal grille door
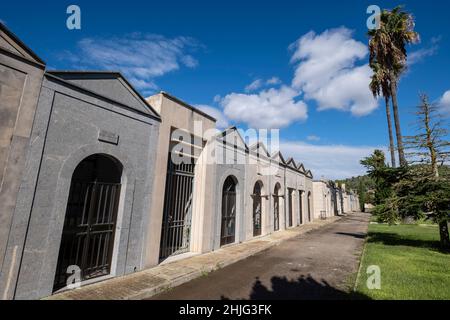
x: 300, y: 206
x: 276, y: 213
x: 309, y: 207
x: 227, y: 234
x: 276, y: 208
x: 88, y: 234
x: 176, y: 227
x: 257, y: 210
x: 291, y: 204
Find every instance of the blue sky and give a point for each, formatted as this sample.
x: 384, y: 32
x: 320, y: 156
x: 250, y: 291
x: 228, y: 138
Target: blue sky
x: 233, y: 58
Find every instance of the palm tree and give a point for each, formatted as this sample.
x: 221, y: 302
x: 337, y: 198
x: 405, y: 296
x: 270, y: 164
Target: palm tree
x: 387, y: 47
x: 379, y: 85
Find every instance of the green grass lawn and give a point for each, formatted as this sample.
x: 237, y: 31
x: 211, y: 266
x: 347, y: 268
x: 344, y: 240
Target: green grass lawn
x: 412, y: 267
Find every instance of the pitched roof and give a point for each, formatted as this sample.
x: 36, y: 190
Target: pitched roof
x: 258, y: 145
x: 9, y: 42
x: 110, y: 84
x: 187, y: 105
x: 233, y: 129
x: 301, y: 167
x: 280, y: 155
x: 291, y: 163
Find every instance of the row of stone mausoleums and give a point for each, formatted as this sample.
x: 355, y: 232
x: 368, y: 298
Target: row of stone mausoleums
x: 331, y: 199
x: 98, y: 182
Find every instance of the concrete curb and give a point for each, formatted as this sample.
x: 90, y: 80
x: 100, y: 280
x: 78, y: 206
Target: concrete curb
x: 147, y: 283
x: 358, y: 275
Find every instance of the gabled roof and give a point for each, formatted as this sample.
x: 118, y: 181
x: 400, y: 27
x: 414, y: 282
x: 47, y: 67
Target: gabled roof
x: 279, y: 155
x: 110, y: 84
x: 291, y: 163
x: 9, y: 42
x: 301, y: 167
x: 187, y: 105
x: 233, y: 130
x: 259, y: 145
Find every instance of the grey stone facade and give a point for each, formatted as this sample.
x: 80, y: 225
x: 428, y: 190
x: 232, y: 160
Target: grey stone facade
x: 21, y: 73
x: 79, y: 114
x: 254, y: 165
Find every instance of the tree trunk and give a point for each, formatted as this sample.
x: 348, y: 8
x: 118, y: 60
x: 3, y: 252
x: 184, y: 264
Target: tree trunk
x: 443, y: 232
x: 391, y: 136
x: 401, y: 153
x: 429, y: 135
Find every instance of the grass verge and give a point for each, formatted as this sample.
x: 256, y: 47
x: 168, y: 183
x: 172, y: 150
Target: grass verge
x: 412, y: 267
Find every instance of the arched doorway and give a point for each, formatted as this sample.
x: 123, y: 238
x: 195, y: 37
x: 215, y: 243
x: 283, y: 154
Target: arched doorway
x: 90, y: 221
x: 257, y: 209
x: 309, y: 206
x: 276, y: 207
x: 228, y: 228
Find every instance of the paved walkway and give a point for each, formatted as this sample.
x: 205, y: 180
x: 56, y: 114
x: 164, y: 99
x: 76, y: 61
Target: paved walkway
x: 147, y: 283
x: 319, y: 265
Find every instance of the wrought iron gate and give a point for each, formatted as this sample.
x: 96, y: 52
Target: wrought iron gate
x: 300, y: 206
x: 309, y: 207
x: 227, y: 234
x: 276, y: 213
x: 257, y: 210
x: 176, y: 227
x: 291, y: 210
x: 88, y: 234
x: 276, y: 208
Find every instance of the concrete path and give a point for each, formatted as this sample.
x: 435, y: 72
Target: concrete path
x: 145, y: 284
x: 321, y: 264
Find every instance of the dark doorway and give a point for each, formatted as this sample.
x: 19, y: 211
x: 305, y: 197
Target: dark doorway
x: 177, y: 215
x: 276, y: 207
x: 257, y: 209
x: 90, y: 221
x: 300, y: 206
x: 228, y: 227
x: 291, y: 209
x: 309, y: 207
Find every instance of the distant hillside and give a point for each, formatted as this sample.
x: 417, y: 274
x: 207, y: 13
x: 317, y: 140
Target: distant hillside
x: 356, y: 183
x: 364, y: 185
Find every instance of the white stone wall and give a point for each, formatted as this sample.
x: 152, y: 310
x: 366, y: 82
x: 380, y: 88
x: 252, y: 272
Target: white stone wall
x: 322, y: 200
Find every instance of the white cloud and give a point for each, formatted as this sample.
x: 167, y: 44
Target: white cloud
x: 140, y: 57
x: 313, y: 138
x: 273, y: 81
x: 444, y: 102
x: 222, y: 121
x: 271, y: 108
x: 255, y: 85
x: 328, y: 161
x: 327, y: 71
x: 259, y: 83
x: 420, y: 54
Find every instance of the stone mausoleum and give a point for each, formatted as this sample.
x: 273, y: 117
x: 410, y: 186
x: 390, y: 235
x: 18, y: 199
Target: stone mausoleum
x: 77, y: 161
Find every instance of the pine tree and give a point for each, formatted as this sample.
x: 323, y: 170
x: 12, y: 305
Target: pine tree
x: 428, y: 149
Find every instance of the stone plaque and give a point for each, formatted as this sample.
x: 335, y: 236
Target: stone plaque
x: 108, y: 137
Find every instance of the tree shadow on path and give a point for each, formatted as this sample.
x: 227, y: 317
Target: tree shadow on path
x: 304, y: 288
x: 355, y: 235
